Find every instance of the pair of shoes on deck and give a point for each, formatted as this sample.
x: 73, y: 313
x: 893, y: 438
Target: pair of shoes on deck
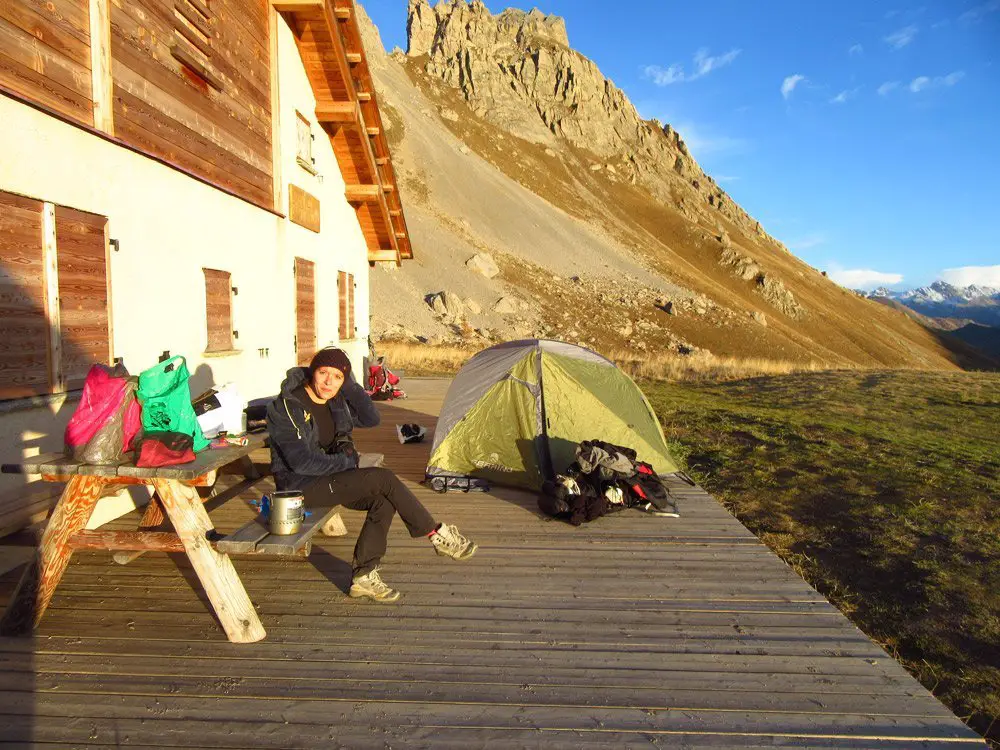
x: 447, y: 540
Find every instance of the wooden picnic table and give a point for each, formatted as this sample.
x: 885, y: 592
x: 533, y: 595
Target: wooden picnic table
x: 175, y: 497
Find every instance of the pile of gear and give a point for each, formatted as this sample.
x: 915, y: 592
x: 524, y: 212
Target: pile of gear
x: 605, y: 478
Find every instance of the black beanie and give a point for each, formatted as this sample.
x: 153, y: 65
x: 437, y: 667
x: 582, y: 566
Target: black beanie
x: 330, y: 357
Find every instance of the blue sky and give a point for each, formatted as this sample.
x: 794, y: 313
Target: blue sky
x: 864, y: 134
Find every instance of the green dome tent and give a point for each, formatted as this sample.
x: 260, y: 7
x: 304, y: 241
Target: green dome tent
x: 515, y: 413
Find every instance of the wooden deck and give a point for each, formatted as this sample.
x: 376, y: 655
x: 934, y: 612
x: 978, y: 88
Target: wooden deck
x: 631, y: 631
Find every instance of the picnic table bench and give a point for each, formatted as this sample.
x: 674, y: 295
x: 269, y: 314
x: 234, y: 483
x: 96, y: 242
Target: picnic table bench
x: 175, y: 497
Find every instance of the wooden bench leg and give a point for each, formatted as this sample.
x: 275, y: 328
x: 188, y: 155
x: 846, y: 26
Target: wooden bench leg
x: 152, y: 518
x: 215, y: 571
x: 39, y: 581
x: 249, y: 470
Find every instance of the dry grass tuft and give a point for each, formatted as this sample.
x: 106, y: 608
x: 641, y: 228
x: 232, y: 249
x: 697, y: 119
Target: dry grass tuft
x: 427, y: 359
x: 705, y: 366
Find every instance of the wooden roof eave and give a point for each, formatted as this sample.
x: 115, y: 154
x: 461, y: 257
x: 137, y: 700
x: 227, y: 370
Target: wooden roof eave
x: 346, y: 15
x: 338, y: 106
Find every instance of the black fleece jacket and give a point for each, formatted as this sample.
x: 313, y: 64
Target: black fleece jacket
x: 296, y: 456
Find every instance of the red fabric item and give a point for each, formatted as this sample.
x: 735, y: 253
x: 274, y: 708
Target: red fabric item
x: 165, y: 449
x: 103, y: 395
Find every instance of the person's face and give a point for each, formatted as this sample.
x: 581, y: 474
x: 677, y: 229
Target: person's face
x: 327, y: 381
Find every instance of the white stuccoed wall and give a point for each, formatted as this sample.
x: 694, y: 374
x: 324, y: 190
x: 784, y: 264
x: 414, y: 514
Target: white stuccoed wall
x: 169, y: 227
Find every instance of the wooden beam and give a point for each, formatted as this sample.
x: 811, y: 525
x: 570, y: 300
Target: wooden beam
x: 297, y: 6
x: 146, y: 541
x: 343, y: 14
x: 343, y: 113
x: 382, y: 256
x: 277, y: 185
x: 400, y: 235
x: 381, y: 160
x: 100, y: 66
x: 363, y: 193
x: 364, y: 96
x: 373, y: 132
x: 395, y: 213
x: 388, y: 187
x: 354, y: 58
x: 51, y: 266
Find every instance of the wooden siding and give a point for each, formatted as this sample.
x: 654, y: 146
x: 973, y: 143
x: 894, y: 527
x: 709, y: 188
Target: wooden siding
x: 172, y: 110
x: 45, y: 54
x: 345, y: 296
x: 305, y: 310
x: 628, y: 632
x: 24, y: 332
x: 84, y: 313
x: 218, y: 310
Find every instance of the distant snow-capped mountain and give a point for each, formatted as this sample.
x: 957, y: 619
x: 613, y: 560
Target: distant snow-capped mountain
x: 943, y: 300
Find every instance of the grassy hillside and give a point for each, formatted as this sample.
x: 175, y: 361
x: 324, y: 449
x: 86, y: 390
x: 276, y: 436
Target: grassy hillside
x: 883, y: 490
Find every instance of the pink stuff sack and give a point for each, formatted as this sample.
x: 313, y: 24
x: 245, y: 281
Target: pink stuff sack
x: 107, y: 419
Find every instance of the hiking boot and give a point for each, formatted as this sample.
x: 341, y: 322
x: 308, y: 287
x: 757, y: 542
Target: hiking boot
x: 449, y: 542
x: 372, y: 586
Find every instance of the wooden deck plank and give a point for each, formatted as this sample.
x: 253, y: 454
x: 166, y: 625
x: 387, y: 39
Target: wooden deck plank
x: 631, y: 631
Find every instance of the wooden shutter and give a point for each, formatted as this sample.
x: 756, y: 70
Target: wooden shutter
x: 24, y: 331
x: 342, y: 297
x: 351, y: 324
x: 305, y: 310
x: 219, y: 310
x: 84, y: 320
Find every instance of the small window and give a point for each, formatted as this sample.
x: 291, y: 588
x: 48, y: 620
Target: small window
x: 345, y: 289
x: 304, y: 148
x: 219, y: 310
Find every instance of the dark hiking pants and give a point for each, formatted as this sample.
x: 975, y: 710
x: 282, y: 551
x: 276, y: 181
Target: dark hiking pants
x: 379, y: 492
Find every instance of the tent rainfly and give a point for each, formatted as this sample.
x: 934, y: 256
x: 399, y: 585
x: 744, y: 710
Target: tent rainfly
x: 516, y: 412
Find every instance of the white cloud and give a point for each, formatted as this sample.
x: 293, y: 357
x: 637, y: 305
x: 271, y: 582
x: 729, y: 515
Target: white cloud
x: 967, y: 275
x: 975, y: 15
x: 844, y: 95
x: 664, y: 76
x: 887, y: 87
x: 863, y: 278
x: 921, y: 83
x: 901, y: 37
x: 703, y: 65
x: 789, y: 84
x: 856, y: 49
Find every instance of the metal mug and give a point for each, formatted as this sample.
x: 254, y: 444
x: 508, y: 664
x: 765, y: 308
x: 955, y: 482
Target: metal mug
x: 287, y: 512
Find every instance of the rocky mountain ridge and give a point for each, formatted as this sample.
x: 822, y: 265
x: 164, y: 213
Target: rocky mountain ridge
x: 540, y: 203
x: 980, y: 304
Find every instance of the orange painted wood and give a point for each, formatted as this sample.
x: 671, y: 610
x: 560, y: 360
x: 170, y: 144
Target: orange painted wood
x: 138, y: 541
x: 305, y: 310
x: 42, y: 576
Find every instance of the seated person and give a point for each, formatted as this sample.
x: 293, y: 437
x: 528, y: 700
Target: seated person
x: 310, y: 424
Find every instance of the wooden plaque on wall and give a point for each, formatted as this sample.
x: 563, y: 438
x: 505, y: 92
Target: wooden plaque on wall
x: 303, y: 208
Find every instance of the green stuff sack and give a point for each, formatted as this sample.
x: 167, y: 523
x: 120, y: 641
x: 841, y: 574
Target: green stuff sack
x: 166, y: 401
